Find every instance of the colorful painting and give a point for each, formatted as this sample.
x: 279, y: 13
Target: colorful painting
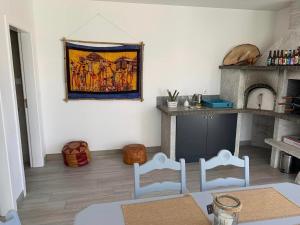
x: 104, y: 72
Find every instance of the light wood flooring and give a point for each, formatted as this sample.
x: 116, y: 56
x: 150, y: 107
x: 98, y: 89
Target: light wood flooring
x: 56, y: 193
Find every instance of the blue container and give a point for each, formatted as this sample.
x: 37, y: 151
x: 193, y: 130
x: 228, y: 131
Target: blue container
x: 217, y: 103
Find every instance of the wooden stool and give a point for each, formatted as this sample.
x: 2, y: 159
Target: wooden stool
x: 76, y: 154
x: 134, y: 153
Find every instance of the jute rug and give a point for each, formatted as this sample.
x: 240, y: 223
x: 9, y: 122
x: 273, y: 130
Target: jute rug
x: 264, y: 204
x: 176, y: 211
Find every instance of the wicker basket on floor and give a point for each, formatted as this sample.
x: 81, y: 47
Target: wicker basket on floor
x: 76, y: 154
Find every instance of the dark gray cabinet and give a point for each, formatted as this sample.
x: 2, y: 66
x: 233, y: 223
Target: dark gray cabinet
x: 221, y: 133
x: 203, y: 136
x: 191, y: 131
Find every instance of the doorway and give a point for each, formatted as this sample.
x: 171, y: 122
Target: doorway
x: 20, y: 94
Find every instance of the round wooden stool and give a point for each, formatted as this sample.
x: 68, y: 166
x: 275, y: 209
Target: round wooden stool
x: 134, y: 153
x: 76, y: 154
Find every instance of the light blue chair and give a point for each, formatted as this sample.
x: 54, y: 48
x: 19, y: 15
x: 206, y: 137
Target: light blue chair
x: 159, y: 161
x: 224, y: 158
x: 12, y: 218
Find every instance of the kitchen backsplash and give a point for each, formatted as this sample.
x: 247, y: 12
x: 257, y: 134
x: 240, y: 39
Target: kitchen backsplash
x: 162, y: 100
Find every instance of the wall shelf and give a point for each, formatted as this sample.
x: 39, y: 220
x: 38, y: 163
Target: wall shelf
x: 294, y: 151
x: 262, y: 68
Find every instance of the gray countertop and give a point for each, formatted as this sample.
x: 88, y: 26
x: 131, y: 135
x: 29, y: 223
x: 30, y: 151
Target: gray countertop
x: 187, y: 111
x: 254, y: 67
x: 180, y: 111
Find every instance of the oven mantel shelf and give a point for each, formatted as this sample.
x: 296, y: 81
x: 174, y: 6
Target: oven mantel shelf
x: 260, y: 68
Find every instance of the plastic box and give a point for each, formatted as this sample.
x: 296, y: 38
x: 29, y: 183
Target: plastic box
x: 217, y: 103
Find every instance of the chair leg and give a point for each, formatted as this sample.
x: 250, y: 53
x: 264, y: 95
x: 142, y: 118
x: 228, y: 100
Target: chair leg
x: 183, y: 176
x: 297, y: 181
x: 202, y: 174
x: 247, y: 172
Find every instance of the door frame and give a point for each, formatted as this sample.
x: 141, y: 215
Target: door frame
x: 14, y: 186
x: 30, y: 87
x: 24, y: 92
x: 25, y: 96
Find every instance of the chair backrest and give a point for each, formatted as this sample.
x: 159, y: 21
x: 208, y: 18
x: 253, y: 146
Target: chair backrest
x: 12, y: 218
x: 223, y: 158
x: 159, y: 161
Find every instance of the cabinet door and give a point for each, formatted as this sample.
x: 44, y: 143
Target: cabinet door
x: 191, y: 137
x: 221, y: 133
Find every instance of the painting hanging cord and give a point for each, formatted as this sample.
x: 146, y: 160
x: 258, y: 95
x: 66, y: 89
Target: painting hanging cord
x: 103, y: 72
x: 111, y: 72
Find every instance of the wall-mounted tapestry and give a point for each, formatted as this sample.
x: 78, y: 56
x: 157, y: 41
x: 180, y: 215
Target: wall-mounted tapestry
x: 104, y: 72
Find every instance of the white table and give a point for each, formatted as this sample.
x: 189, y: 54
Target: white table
x: 111, y: 213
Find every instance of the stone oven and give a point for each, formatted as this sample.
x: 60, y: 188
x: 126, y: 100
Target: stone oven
x: 269, y: 127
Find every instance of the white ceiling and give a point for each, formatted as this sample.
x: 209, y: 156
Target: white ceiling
x: 232, y: 4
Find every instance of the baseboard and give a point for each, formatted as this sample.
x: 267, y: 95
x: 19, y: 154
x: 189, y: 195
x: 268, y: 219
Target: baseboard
x: 58, y: 156
x: 245, y: 143
x: 119, y: 151
x: 20, y: 199
x: 264, y: 146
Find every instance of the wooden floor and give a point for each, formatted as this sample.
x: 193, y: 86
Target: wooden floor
x: 56, y: 193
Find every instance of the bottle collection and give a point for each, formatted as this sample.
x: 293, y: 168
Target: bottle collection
x: 284, y: 57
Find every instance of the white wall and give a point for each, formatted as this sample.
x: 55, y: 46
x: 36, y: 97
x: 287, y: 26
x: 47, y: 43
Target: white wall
x: 246, y: 130
x: 17, y: 13
x: 184, y: 46
x: 281, y: 24
x: 6, y: 191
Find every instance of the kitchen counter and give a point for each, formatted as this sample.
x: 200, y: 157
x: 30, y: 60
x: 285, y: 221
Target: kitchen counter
x: 169, y: 126
x: 179, y: 111
x: 188, y: 111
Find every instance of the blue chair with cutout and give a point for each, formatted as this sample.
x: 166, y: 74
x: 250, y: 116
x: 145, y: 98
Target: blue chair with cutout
x: 159, y: 162
x: 224, y: 158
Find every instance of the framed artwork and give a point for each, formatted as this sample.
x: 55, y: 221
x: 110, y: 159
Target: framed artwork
x: 104, y: 72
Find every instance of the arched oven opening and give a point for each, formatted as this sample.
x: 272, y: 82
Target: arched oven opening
x: 260, y: 96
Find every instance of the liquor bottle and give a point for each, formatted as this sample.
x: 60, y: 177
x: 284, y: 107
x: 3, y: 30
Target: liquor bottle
x: 285, y: 57
x: 269, y: 60
x: 293, y: 60
x: 290, y: 57
x: 273, y: 58
x: 280, y: 61
x: 298, y: 56
x: 277, y: 58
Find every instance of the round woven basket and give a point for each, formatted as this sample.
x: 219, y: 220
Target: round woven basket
x: 76, y: 154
